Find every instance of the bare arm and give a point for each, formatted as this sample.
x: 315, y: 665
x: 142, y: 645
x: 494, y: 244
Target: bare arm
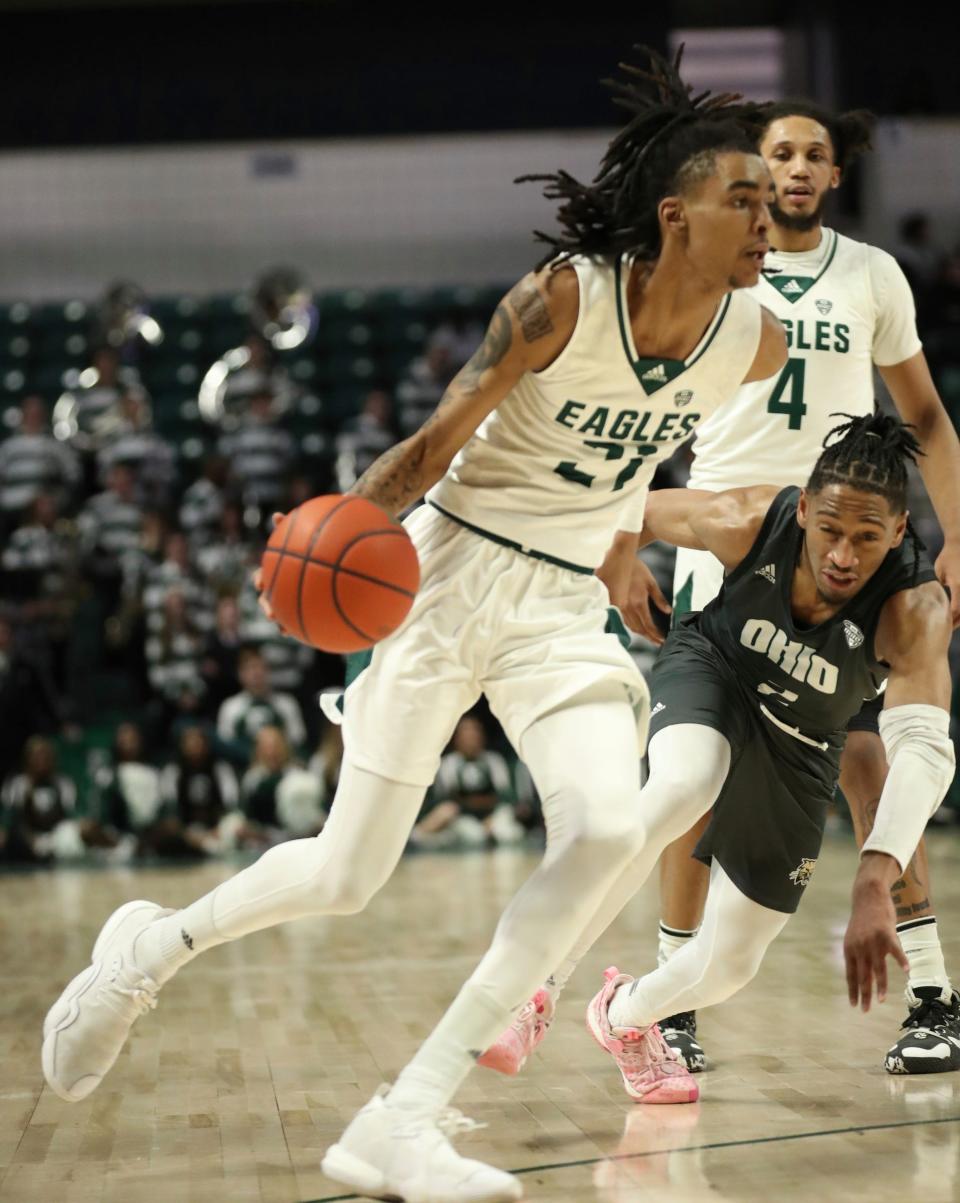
x: 724, y: 523
x: 529, y: 329
x: 772, y: 352
x: 913, y: 637
x: 918, y: 402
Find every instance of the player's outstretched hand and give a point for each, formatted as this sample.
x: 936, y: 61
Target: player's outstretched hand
x: 643, y: 594
x: 870, y: 938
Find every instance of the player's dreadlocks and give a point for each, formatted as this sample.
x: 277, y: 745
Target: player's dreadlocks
x: 850, y: 133
x: 669, y: 144
x: 870, y: 453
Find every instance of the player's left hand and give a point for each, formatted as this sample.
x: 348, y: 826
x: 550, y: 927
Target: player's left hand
x: 948, y: 574
x: 642, y: 595
x: 870, y: 938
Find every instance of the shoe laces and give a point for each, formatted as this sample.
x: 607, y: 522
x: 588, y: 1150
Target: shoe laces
x: 934, y: 1014
x: 447, y: 1120
x: 452, y: 1122
x: 140, y: 989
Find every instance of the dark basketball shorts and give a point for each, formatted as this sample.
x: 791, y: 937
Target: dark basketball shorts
x: 767, y: 824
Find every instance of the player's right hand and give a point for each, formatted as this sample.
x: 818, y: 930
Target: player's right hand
x: 644, y: 593
x: 257, y: 579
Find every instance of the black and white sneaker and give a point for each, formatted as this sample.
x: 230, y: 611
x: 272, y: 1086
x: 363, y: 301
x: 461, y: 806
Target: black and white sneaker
x: 931, y: 1041
x: 680, y: 1033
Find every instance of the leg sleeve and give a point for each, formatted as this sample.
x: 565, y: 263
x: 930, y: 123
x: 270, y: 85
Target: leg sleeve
x: 723, y: 956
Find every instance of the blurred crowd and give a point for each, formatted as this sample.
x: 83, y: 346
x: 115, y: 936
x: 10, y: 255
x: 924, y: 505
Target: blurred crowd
x: 150, y: 709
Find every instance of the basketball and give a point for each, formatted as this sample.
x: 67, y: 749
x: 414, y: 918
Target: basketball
x: 340, y: 573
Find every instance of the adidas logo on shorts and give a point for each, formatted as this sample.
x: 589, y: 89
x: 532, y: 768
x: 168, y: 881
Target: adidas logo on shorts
x: 656, y: 710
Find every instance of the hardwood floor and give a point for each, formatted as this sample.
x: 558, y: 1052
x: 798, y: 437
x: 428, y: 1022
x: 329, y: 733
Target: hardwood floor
x: 261, y: 1051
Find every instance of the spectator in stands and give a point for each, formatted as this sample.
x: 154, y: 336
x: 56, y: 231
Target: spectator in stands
x: 472, y: 795
x: 257, y: 705
x: 364, y: 438
x: 39, y: 577
x: 289, y: 660
x: 110, y: 525
x: 220, y: 655
x: 174, y: 660
x: 326, y: 760
x: 128, y: 789
x: 98, y: 397
x: 461, y: 335
x: 176, y: 572
x: 32, y: 461
x: 40, y: 822
x: 29, y: 703
x: 226, y: 560
x: 423, y: 384
x: 258, y: 375
x: 132, y: 441
x: 261, y: 456
x: 945, y: 295
x: 920, y: 258
x: 203, y: 501
x: 279, y: 799
x: 198, y: 793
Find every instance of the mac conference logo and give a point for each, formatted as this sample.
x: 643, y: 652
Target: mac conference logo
x: 683, y: 397
x: 824, y: 306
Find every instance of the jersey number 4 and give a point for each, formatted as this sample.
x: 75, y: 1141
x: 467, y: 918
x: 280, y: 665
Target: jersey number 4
x: 569, y: 470
x: 787, y: 395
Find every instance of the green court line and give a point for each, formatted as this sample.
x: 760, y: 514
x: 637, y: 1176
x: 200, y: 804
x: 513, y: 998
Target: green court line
x: 720, y: 1144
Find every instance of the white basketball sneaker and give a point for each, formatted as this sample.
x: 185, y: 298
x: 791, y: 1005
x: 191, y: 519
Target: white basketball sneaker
x: 390, y: 1153
x: 87, y: 1026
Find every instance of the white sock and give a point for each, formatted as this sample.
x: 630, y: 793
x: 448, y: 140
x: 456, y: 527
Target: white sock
x: 671, y: 940
x: 170, y: 942
x: 920, y: 942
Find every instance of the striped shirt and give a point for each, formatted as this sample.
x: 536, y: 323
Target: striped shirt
x: 173, y: 664
x: 110, y: 526
x: 32, y: 464
x: 261, y: 456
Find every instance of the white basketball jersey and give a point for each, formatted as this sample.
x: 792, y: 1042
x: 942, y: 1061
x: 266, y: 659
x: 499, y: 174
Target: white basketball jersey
x: 845, y: 307
x: 565, y: 460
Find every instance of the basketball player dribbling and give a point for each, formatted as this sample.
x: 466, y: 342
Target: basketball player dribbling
x: 535, y: 467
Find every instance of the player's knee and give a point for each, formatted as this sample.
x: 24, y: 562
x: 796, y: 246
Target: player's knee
x: 347, y: 893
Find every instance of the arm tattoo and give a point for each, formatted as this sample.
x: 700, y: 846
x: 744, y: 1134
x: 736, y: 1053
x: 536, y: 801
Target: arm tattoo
x: 400, y: 475
x: 530, y: 308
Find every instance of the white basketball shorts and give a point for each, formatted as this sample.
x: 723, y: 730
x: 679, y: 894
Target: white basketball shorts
x: 697, y: 578
x: 530, y: 635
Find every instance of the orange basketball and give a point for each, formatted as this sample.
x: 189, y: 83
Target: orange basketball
x: 339, y: 573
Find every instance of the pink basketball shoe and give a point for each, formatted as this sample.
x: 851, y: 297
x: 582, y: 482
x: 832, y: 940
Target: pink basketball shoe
x: 651, y: 1070
x: 510, y: 1050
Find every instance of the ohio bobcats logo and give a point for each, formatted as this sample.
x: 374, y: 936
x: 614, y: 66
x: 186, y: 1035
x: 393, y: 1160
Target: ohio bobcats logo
x: 824, y: 306
x: 683, y: 397
x: 803, y: 872
x: 853, y: 634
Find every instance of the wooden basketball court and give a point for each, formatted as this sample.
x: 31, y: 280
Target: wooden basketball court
x: 261, y: 1051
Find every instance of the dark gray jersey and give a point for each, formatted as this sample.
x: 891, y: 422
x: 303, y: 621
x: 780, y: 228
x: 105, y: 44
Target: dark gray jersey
x: 811, y: 678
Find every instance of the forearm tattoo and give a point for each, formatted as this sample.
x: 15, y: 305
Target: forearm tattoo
x: 403, y: 474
